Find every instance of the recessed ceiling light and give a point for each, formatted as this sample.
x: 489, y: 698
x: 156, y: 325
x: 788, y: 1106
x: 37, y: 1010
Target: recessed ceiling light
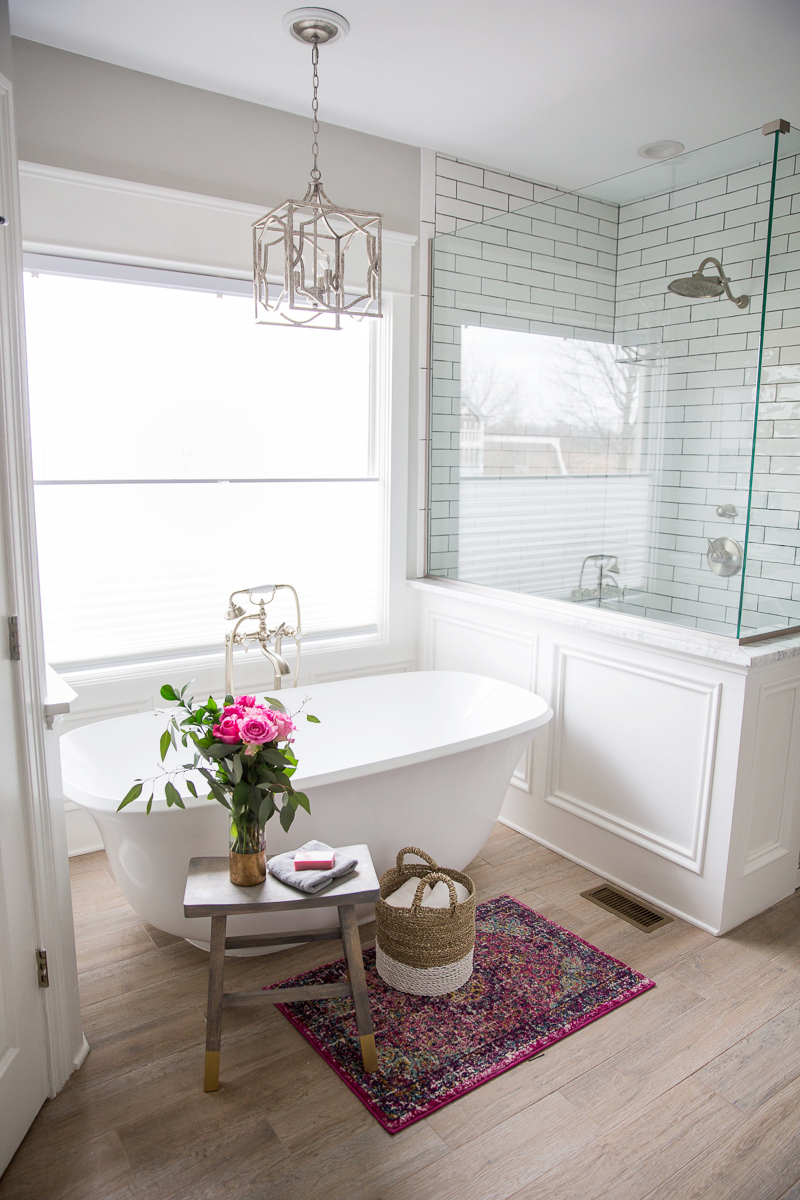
x: 659, y: 150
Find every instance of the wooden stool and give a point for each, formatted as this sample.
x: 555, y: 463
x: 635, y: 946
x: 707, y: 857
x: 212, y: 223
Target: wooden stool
x: 210, y: 893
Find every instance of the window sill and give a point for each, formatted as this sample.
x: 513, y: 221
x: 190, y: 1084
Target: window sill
x: 78, y: 676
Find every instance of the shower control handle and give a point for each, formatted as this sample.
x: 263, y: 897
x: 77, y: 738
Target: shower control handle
x: 725, y: 556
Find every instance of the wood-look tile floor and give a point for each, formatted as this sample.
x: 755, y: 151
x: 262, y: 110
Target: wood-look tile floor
x: 690, y: 1091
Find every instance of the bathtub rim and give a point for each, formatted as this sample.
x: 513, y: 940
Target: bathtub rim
x: 543, y: 714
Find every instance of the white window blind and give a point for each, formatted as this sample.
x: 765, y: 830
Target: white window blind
x: 182, y: 452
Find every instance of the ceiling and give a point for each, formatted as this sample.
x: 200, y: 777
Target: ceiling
x: 561, y: 91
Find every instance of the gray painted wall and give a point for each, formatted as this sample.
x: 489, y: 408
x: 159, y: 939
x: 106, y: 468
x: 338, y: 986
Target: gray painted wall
x: 87, y: 115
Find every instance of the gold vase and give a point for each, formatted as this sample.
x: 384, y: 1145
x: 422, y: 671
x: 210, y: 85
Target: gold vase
x: 247, y: 856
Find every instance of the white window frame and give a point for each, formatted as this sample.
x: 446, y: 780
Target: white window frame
x: 378, y: 454
x: 73, y: 214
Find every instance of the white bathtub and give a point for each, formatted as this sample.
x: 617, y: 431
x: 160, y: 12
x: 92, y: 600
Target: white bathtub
x: 422, y: 759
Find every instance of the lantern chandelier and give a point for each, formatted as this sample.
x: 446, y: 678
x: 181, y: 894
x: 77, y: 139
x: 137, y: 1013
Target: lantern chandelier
x: 304, y: 242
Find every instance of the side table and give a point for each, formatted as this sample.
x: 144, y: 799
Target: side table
x: 210, y: 893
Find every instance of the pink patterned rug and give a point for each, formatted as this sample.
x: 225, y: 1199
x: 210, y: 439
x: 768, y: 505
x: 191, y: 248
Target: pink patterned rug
x: 533, y: 984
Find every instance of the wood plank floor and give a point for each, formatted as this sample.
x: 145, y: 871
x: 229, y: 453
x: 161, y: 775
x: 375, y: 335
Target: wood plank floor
x: 690, y: 1091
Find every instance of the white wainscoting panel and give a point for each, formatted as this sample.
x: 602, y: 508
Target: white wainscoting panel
x: 633, y: 751
x: 458, y: 645
x: 773, y: 781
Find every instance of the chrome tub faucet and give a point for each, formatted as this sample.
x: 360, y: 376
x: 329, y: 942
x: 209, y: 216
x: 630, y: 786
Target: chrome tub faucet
x: 268, y: 640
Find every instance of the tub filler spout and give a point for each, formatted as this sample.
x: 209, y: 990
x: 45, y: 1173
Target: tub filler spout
x: 268, y: 640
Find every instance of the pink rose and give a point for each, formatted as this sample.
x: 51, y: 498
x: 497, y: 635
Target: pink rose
x: 233, y: 710
x: 246, y: 701
x: 256, y: 730
x: 283, y: 724
x: 227, y: 729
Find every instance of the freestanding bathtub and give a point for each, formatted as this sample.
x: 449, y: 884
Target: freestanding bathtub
x: 421, y: 759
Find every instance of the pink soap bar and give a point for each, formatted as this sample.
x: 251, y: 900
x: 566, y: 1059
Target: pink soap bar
x: 314, y: 860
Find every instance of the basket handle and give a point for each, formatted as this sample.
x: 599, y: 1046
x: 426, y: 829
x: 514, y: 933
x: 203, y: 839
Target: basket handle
x: 419, y: 853
x: 423, y: 883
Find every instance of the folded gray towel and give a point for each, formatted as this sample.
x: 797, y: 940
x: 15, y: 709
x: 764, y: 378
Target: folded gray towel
x: 282, y: 867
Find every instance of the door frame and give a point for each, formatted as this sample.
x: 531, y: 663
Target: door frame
x: 43, y: 805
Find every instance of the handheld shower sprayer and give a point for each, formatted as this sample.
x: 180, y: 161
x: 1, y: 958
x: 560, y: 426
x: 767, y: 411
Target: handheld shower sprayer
x: 268, y: 640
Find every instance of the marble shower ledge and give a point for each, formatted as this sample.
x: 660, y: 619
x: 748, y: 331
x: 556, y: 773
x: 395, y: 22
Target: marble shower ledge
x: 634, y: 629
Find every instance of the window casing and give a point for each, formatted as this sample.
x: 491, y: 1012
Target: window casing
x: 181, y: 452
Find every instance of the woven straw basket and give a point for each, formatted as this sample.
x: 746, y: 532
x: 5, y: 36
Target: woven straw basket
x: 424, y: 951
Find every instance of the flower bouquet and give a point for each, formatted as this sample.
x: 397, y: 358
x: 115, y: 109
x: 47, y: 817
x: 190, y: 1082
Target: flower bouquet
x: 247, y: 748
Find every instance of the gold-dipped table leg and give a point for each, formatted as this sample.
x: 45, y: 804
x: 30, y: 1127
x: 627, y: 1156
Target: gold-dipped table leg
x: 369, y: 1055
x: 216, y: 976
x: 211, y: 1076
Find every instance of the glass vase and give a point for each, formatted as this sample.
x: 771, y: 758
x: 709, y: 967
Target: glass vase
x: 248, y: 859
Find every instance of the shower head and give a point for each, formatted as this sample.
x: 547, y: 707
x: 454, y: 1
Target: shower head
x: 698, y: 285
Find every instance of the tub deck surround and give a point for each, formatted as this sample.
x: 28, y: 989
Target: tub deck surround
x: 672, y: 765
x: 420, y: 758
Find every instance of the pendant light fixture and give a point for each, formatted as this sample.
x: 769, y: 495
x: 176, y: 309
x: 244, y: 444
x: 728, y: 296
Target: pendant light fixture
x: 305, y: 242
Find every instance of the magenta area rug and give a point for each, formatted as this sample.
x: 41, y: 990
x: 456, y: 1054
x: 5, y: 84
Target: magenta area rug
x: 533, y: 984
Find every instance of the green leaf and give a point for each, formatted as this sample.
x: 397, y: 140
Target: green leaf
x: 303, y: 801
x: 273, y: 703
x: 219, y: 750
x: 166, y: 742
x: 241, y: 792
x: 314, y: 720
x: 266, y: 809
x: 149, y: 805
x: 173, y: 795
x: 130, y: 796
x: 183, y: 690
x: 286, y: 817
x: 273, y: 756
x: 237, y: 768
x: 191, y: 788
x: 168, y: 692
x: 214, y: 788
x: 229, y: 700
x: 211, y: 705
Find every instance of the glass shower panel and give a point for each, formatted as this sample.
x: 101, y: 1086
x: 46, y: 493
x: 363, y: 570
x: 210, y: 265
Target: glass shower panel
x: 771, y: 591
x: 591, y: 427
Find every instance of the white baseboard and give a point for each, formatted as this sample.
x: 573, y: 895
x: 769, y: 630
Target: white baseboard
x: 676, y: 912
x: 80, y: 1057
x: 83, y: 836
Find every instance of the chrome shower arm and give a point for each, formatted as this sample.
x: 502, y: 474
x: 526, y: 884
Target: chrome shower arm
x: 739, y: 301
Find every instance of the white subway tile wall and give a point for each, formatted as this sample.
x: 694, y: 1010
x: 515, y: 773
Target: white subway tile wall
x: 572, y: 266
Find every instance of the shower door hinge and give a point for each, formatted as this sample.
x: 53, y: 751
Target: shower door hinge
x: 13, y: 639
x: 41, y: 968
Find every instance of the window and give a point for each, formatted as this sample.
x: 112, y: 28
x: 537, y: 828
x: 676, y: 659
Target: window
x: 181, y: 452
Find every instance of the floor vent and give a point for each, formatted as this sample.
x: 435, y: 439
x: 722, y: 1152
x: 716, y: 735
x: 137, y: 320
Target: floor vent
x: 628, y: 907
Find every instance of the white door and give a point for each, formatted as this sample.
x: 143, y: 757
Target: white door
x: 24, y: 1077
x: 23, y: 1062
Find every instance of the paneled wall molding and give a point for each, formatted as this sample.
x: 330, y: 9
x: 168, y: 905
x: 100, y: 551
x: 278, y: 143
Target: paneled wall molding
x: 514, y: 660
x: 688, y: 852
x: 643, y: 776
x: 773, y: 788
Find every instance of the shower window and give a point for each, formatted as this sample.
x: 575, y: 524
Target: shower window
x: 181, y: 452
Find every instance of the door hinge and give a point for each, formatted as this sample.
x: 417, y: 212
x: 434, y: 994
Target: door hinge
x: 13, y: 639
x: 41, y: 968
